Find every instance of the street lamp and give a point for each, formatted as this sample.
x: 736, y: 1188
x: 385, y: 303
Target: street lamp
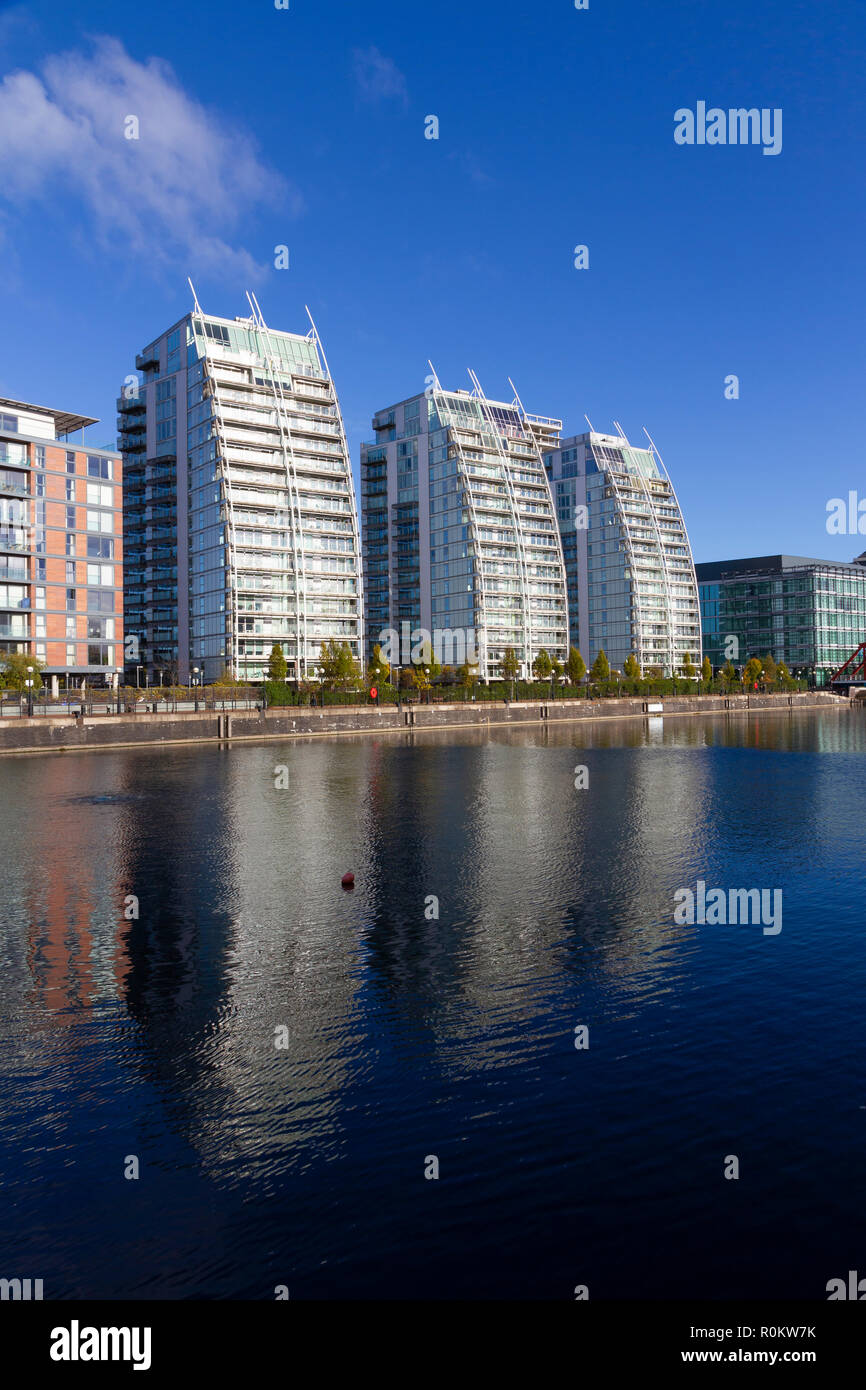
x: 195, y: 685
x: 29, y: 684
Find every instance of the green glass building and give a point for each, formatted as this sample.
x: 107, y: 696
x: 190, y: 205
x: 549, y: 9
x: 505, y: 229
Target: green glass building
x: 811, y: 614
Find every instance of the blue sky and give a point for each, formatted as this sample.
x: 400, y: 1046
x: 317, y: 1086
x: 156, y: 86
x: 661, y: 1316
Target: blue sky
x: 305, y: 127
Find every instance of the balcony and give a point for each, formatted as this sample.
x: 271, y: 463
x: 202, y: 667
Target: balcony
x: 147, y: 360
x: 132, y: 443
x: 10, y: 486
x: 12, y: 541
x: 132, y: 405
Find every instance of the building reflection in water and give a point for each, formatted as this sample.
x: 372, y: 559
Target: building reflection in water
x: 243, y: 925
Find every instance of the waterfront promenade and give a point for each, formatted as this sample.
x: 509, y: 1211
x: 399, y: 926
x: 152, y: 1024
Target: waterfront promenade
x: 68, y: 733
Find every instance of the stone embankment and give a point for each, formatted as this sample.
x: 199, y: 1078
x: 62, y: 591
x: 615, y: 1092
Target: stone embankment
x: 68, y: 733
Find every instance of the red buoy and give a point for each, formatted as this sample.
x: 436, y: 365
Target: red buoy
x: 348, y: 880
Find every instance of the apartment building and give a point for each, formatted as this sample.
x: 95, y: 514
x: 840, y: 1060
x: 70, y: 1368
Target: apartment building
x: 61, y: 546
x: 241, y: 525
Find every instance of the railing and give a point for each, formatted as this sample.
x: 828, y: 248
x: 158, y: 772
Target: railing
x: 214, y: 699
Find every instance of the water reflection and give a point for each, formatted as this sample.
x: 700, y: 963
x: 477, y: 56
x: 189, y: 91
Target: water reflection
x: 497, y: 906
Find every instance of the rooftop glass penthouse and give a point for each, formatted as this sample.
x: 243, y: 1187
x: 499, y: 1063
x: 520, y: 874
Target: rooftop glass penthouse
x: 631, y: 577
x: 460, y: 537
x: 240, y: 508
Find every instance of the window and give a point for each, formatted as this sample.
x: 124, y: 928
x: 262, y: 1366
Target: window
x: 40, y: 484
x: 70, y: 489
x: 40, y: 624
x: 40, y: 455
x: 217, y: 332
x: 98, y: 467
x: 99, y: 496
x: 100, y: 574
x: 40, y: 651
x: 70, y: 627
x: 100, y: 627
x: 70, y: 571
x: 70, y: 654
x: 70, y: 462
x: 40, y: 569
x: 9, y: 422
x: 98, y: 549
x: 70, y: 518
x: 40, y: 596
x: 97, y: 655
x: 99, y: 600
x: 70, y: 600
x: 70, y: 542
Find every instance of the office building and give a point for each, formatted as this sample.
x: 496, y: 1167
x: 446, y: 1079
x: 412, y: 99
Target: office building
x: 460, y: 537
x: 811, y: 614
x: 61, y: 546
x: 631, y: 577
x: 241, y: 525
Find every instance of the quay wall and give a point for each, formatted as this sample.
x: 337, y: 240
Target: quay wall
x: 68, y: 733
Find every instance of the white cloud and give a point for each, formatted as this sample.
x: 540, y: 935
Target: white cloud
x: 176, y: 194
x: 378, y: 77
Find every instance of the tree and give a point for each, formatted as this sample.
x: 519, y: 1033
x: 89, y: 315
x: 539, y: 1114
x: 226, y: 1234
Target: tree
x: 600, y: 667
x: 631, y: 667
x: 689, y: 670
x: 378, y: 672
x: 541, y: 666
x: 467, y: 675
x: 15, y: 673
x: 576, y: 666
x: 729, y: 675
x: 429, y: 663
x: 753, y: 670
x: 510, y: 667
x: 277, y: 665
x: 784, y: 677
x: 706, y: 672
x: 770, y: 670
x: 340, y: 669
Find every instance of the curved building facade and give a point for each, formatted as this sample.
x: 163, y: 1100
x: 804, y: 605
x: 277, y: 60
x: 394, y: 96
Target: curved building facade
x: 242, y: 509
x: 460, y: 533
x: 631, y: 575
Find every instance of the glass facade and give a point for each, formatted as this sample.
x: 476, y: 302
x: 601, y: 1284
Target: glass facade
x: 243, y: 500
x: 631, y: 576
x: 811, y: 614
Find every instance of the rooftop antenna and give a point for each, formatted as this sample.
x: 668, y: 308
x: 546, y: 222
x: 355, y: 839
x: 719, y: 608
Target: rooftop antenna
x: 517, y: 401
x: 437, y: 383
x: 257, y: 313
x: 620, y: 431
x: 589, y: 422
x: 476, y: 384
x: 198, y: 308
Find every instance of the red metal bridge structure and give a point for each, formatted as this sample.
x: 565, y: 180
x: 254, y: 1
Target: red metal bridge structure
x: 853, y: 672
